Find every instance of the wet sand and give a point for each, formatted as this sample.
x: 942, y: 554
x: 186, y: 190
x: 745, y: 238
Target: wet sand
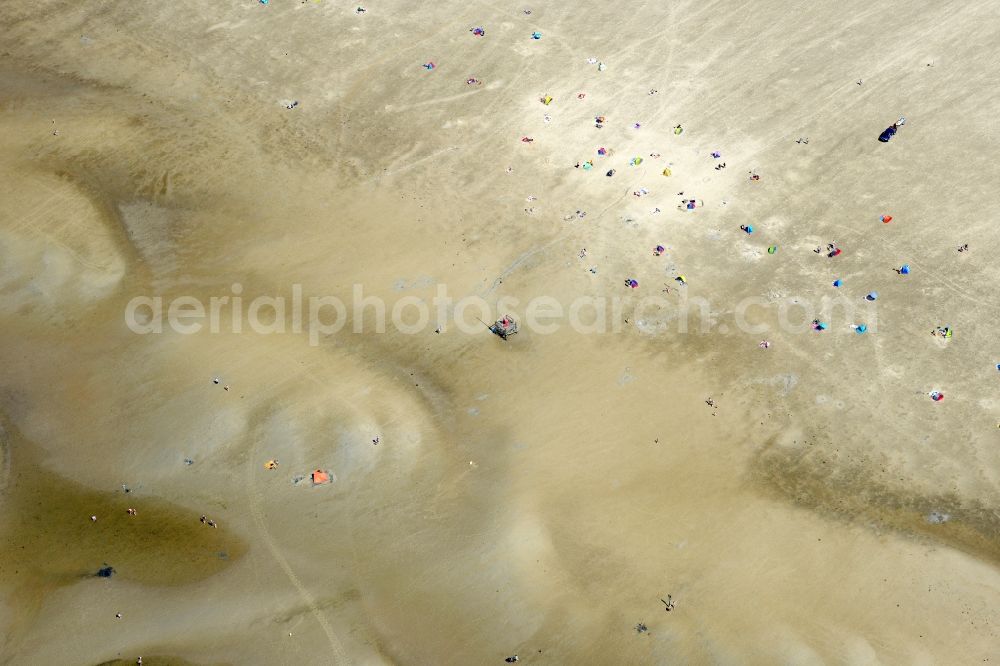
x: 538, y: 496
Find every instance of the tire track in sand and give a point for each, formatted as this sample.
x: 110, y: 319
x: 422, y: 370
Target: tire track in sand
x: 255, y: 502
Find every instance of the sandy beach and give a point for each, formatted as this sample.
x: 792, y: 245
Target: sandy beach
x: 811, y: 472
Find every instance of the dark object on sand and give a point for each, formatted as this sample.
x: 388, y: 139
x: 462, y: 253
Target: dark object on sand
x: 106, y: 572
x: 504, y: 327
x: 890, y: 131
x: 641, y: 628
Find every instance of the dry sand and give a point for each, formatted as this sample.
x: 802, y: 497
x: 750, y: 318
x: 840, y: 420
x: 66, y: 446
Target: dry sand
x: 536, y: 497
